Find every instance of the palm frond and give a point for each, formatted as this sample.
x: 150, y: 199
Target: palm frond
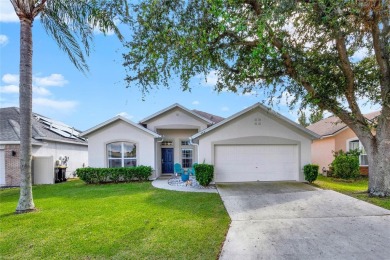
x: 71, y: 23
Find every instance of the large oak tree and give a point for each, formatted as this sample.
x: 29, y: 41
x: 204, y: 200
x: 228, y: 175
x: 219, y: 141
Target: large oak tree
x: 71, y: 24
x: 308, y: 49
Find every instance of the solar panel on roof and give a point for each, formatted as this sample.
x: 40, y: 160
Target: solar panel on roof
x: 62, y: 133
x: 60, y: 128
x: 59, y: 125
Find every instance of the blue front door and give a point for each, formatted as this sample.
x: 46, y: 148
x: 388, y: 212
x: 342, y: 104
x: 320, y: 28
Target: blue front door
x: 167, y: 160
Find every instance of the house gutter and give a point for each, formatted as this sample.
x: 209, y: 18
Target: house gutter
x: 155, y: 153
x: 197, y: 147
x: 59, y: 141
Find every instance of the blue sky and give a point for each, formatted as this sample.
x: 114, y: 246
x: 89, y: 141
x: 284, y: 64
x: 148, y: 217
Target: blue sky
x: 63, y: 93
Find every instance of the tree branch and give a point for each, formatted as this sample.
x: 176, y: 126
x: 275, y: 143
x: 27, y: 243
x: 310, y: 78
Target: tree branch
x: 349, y: 76
x: 382, y: 58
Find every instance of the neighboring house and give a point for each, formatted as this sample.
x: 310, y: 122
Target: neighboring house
x: 256, y: 144
x: 335, y: 136
x: 50, y: 141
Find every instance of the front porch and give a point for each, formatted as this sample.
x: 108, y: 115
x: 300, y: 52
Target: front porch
x: 175, y: 147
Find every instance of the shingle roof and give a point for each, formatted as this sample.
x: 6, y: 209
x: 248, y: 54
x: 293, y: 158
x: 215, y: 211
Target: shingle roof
x: 43, y: 128
x: 176, y: 105
x: 333, y: 124
x: 270, y: 112
x: 117, y: 118
x: 211, y: 117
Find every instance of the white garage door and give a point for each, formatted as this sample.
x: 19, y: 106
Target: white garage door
x: 241, y: 163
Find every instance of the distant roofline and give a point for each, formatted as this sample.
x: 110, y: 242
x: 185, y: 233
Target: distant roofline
x: 345, y: 125
x: 116, y: 118
x: 143, y: 121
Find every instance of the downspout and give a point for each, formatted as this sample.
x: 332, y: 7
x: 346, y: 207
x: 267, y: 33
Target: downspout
x: 155, y: 153
x: 197, y: 147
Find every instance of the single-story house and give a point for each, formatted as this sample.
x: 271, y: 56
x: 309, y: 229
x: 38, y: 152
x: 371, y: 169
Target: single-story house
x: 255, y: 144
x: 336, y: 136
x: 51, y: 141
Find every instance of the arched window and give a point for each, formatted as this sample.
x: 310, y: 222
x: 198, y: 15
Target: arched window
x: 121, y: 154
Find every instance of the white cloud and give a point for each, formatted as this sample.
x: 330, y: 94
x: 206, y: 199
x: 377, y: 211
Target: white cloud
x: 96, y: 31
x: 211, y: 79
x: 360, y: 54
x: 125, y: 115
x: 14, y: 89
x: 54, y: 80
x: 41, y: 91
x: 10, y: 79
x: 10, y: 89
x: 3, y: 40
x: 7, y: 12
x: 286, y: 98
x: 55, y: 104
x: 225, y: 109
x: 196, y: 102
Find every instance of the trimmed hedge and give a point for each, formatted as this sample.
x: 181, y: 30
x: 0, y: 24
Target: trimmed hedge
x: 204, y: 173
x: 311, y: 172
x: 103, y: 175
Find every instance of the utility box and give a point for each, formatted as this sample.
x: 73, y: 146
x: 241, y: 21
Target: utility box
x: 43, y: 170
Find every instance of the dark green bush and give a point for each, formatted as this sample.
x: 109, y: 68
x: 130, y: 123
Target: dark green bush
x: 103, y: 175
x: 345, y: 166
x: 311, y: 172
x: 204, y: 173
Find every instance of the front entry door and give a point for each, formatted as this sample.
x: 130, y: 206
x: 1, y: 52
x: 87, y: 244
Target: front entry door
x: 167, y: 160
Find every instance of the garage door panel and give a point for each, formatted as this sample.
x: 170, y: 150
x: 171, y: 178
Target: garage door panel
x: 239, y: 163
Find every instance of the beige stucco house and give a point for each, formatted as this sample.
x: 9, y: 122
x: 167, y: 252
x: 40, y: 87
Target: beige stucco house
x: 256, y: 144
x: 335, y: 136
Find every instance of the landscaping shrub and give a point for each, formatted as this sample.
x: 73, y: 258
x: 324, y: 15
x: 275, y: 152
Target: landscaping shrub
x: 346, y: 166
x: 103, y: 175
x: 204, y: 173
x: 311, y: 172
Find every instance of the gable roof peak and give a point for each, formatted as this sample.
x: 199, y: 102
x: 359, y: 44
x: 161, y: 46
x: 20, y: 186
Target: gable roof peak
x: 175, y: 105
x: 114, y: 119
x: 265, y: 109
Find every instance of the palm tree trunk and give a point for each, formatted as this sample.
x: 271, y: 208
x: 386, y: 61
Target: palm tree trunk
x: 26, y: 202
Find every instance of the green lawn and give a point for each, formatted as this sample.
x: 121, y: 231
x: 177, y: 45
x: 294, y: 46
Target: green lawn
x: 116, y: 221
x: 357, y: 189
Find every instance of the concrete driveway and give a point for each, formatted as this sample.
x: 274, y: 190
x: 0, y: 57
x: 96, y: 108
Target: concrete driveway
x: 290, y: 220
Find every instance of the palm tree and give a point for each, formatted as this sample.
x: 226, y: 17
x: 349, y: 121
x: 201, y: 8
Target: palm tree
x: 71, y: 24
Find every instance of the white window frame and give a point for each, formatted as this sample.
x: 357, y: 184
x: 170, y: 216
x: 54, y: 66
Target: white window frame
x: 122, y: 158
x: 187, y: 158
x: 361, y: 149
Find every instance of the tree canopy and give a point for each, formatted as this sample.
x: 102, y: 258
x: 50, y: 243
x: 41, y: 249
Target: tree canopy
x: 311, y: 50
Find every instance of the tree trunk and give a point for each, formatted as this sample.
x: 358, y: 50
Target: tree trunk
x: 26, y: 202
x: 378, y: 152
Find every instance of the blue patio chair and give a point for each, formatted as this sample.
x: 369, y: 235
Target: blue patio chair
x: 178, y: 169
x: 192, y: 170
